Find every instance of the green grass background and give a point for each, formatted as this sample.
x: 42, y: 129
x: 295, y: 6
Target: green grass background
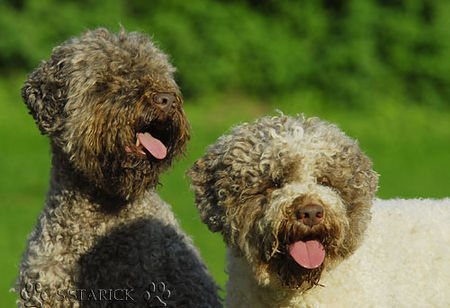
x: 409, y: 145
x: 379, y: 69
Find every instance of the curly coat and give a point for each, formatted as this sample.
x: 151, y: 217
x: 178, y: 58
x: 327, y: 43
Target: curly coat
x: 104, y: 226
x: 251, y: 186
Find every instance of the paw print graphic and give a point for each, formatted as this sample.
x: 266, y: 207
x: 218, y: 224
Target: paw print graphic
x: 33, y: 295
x: 157, y: 294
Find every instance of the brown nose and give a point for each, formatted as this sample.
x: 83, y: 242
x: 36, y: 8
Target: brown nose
x: 311, y: 214
x: 166, y: 101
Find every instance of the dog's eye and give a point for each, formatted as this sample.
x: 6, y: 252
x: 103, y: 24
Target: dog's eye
x: 274, y: 185
x: 277, y: 183
x: 325, y: 181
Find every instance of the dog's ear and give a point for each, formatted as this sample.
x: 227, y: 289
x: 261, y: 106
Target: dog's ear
x: 203, y: 176
x: 372, y: 182
x: 45, y: 95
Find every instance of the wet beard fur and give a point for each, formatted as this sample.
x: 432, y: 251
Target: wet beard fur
x: 280, y: 262
x: 293, y: 275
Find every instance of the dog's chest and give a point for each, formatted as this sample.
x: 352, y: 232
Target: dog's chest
x: 74, y: 227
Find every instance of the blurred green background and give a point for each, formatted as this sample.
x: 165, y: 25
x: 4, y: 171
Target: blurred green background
x: 380, y: 69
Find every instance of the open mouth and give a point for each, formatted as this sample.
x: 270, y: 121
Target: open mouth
x: 300, y: 261
x: 152, y: 140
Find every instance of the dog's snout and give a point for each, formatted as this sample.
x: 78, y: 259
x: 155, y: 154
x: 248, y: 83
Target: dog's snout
x: 166, y: 101
x: 311, y: 214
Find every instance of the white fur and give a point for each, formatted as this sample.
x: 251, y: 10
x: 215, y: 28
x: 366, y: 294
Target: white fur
x: 404, y: 261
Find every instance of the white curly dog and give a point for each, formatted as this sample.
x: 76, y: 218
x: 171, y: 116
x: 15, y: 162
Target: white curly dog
x: 294, y: 201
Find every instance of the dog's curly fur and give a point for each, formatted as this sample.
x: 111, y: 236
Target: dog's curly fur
x: 104, y: 226
x: 251, y: 182
x: 251, y: 185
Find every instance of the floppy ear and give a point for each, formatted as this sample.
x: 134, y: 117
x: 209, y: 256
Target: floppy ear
x: 203, y: 176
x: 45, y: 95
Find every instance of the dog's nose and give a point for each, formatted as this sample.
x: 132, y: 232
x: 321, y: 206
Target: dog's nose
x: 311, y: 214
x: 166, y: 101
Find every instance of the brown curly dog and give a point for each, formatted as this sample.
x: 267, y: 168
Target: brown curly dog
x: 115, y: 120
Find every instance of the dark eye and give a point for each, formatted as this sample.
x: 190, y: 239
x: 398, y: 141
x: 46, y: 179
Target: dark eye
x: 274, y: 185
x: 325, y: 181
x: 277, y: 183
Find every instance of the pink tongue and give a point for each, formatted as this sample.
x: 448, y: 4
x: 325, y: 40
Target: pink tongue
x: 153, y: 145
x: 308, y: 254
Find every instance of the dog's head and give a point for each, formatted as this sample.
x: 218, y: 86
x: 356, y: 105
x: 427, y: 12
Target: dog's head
x: 289, y: 195
x: 110, y: 107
